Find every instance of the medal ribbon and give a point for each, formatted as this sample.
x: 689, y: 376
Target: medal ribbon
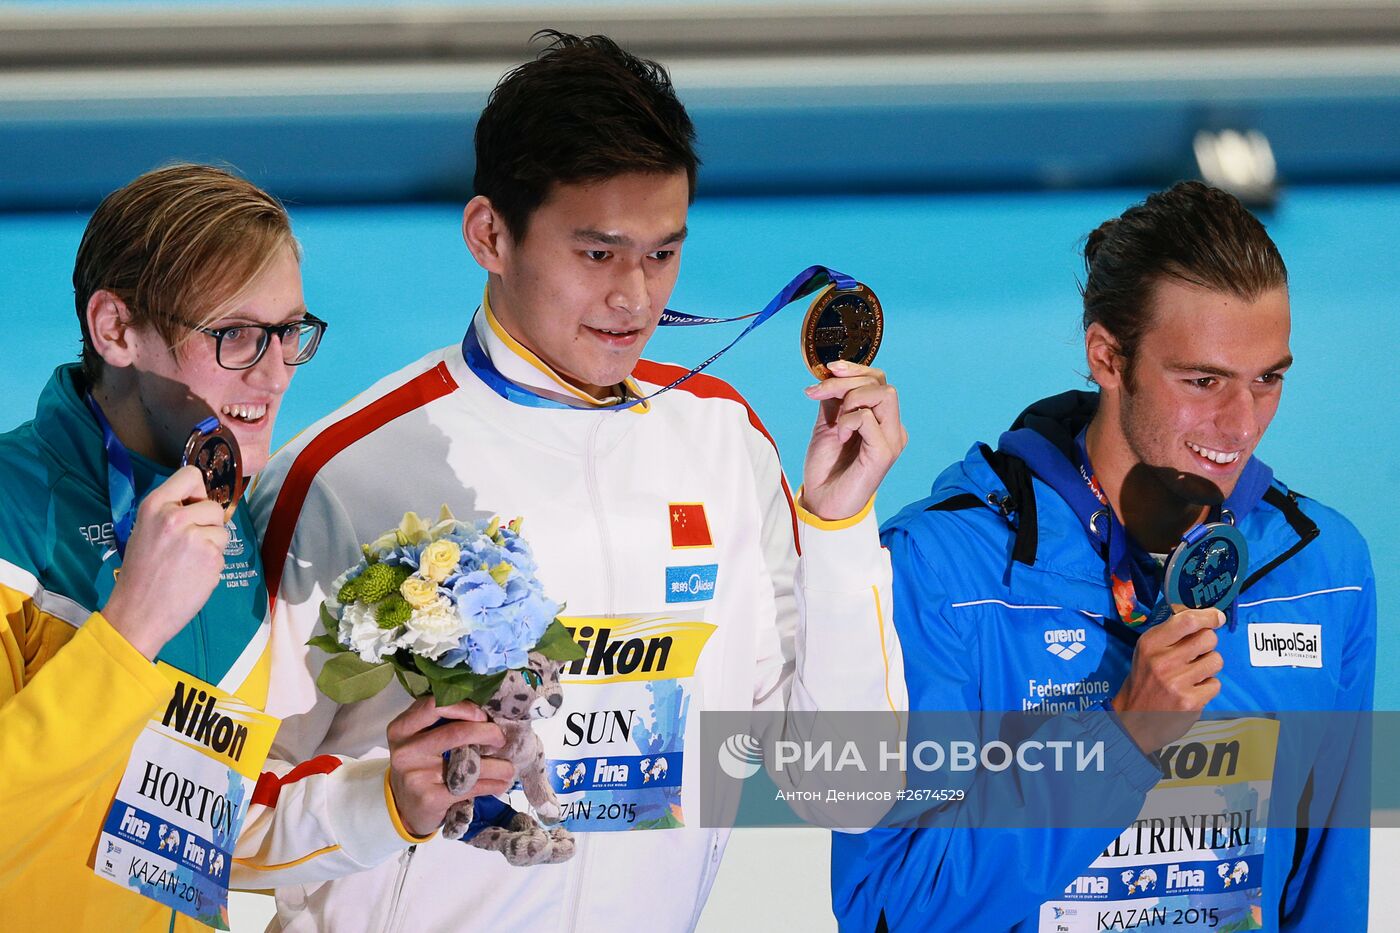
x: 1126, y: 571
x: 807, y: 281
x: 121, y: 481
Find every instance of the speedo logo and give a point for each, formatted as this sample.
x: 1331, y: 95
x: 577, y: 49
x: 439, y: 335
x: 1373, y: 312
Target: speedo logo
x: 635, y: 649
x: 1065, y: 643
x: 195, y: 713
x: 98, y: 534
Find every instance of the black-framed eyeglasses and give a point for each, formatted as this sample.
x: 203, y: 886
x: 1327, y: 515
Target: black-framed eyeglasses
x: 241, y: 346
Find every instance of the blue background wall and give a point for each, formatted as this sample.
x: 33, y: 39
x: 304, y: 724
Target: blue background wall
x: 982, y: 310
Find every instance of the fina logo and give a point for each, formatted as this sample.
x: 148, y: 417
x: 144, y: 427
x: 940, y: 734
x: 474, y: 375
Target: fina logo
x: 1065, y: 643
x: 741, y: 756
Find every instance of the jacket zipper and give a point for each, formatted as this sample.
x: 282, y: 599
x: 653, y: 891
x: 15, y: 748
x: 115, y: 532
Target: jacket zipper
x: 394, y: 917
x: 590, y: 473
x: 706, y: 879
x: 590, y: 476
x: 580, y: 863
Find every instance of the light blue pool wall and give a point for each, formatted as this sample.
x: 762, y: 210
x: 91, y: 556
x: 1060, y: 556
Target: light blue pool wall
x: 982, y: 317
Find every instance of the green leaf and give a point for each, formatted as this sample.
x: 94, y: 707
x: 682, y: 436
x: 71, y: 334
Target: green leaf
x: 487, y: 688
x: 500, y: 573
x: 414, y: 684
x: 327, y: 643
x: 436, y: 672
x: 348, y: 679
x: 558, y: 645
x: 328, y: 620
x: 445, y: 694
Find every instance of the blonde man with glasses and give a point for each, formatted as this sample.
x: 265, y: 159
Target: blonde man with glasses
x: 188, y: 293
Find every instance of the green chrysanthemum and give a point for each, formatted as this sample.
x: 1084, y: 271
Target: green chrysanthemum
x: 349, y: 592
x: 392, y: 612
x: 378, y: 581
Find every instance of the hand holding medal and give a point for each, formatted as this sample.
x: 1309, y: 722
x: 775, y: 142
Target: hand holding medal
x: 1175, y: 663
x: 171, y: 547
x: 171, y: 564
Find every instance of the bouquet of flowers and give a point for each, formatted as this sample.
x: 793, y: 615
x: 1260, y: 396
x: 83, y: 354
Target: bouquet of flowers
x: 447, y: 608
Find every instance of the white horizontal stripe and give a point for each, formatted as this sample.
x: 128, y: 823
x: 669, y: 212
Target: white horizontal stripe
x: 246, y: 661
x: 1000, y: 602
x: 18, y: 579
x: 1285, y: 599
x: 61, y: 607
x: 55, y: 604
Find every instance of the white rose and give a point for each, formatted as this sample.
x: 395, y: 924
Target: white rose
x: 419, y: 592
x: 362, y: 633
x: 431, y: 632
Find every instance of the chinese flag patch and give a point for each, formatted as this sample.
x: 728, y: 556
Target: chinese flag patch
x: 689, y: 527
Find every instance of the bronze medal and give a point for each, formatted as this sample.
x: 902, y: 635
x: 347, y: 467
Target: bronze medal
x: 214, y: 451
x: 842, y: 325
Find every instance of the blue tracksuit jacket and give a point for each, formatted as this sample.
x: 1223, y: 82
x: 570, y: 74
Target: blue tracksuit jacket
x: 1002, y: 603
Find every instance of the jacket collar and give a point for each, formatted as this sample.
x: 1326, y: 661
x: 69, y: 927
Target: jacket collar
x: 1044, y: 437
x: 66, y: 427
x: 519, y: 365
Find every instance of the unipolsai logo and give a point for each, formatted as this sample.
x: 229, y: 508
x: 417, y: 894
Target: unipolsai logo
x: 741, y: 756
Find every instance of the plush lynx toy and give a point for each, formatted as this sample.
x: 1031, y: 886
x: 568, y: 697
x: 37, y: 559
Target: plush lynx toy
x: 488, y: 823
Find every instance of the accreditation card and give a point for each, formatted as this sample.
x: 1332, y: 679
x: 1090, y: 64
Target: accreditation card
x: 170, y: 832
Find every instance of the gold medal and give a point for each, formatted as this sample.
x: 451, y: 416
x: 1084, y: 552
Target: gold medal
x: 842, y: 325
x: 213, y: 449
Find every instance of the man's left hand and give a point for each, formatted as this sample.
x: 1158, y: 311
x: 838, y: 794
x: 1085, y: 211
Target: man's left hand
x: 857, y: 438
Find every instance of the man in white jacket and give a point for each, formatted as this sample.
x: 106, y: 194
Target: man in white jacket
x: 694, y: 580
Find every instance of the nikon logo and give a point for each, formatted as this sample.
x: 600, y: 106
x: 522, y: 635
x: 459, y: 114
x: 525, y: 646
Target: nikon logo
x: 619, y: 648
x: 1191, y: 760
x: 194, y: 713
x: 606, y: 655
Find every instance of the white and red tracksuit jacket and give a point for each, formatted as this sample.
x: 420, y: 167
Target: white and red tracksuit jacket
x: 668, y: 530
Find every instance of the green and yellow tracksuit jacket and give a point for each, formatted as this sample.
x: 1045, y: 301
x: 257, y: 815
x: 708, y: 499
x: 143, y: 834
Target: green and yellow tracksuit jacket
x: 74, y: 694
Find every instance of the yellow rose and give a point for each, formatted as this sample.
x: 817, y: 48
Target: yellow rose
x: 420, y: 593
x: 439, y: 560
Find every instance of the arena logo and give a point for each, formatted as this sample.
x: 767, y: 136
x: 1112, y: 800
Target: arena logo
x: 1065, y: 643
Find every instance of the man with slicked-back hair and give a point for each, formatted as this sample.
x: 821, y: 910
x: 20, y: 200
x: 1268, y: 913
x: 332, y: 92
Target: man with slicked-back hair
x: 1030, y: 603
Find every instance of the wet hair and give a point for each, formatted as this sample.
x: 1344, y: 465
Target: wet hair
x: 583, y: 110
x: 176, y: 245
x: 1190, y: 232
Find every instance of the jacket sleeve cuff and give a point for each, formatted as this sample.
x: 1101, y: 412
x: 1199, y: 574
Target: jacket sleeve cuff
x: 1140, y: 771
x: 403, y: 831
x: 366, y: 822
x: 841, y: 555
x: 125, y: 655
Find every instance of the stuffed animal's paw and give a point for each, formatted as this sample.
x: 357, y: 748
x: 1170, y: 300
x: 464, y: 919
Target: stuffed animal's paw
x: 549, y: 812
x: 459, y: 818
x: 561, y: 847
x: 460, y: 771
